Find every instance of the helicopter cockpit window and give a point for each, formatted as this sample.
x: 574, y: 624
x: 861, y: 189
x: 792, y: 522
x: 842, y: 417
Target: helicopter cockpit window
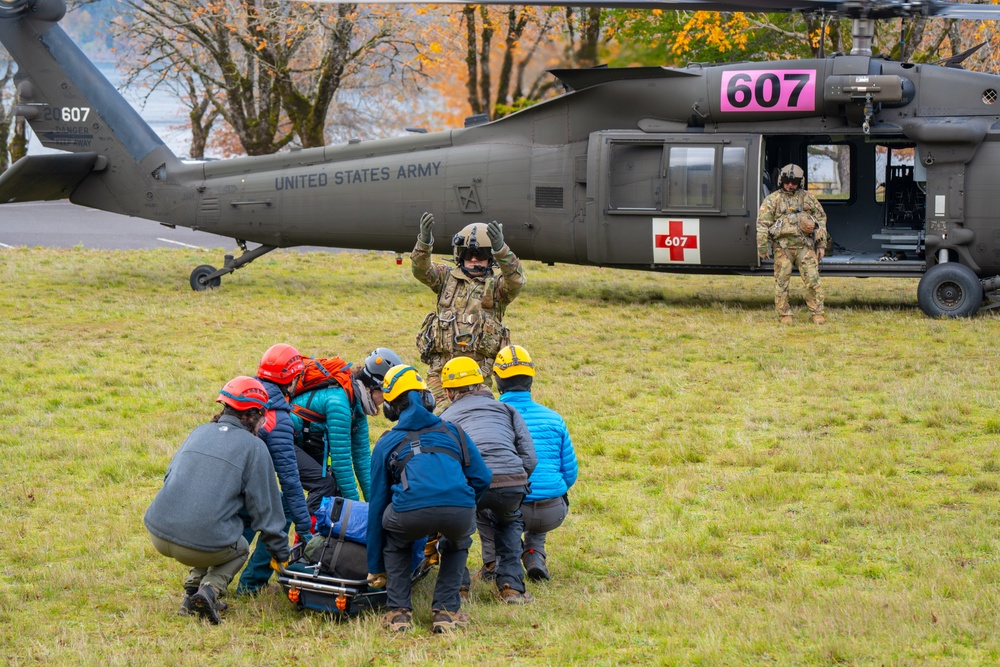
x: 828, y: 171
x: 635, y: 182
x: 691, y: 177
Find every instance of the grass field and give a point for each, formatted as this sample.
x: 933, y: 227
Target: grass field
x: 749, y: 494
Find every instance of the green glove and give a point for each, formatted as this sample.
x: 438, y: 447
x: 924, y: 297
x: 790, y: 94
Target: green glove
x: 495, y: 231
x: 426, y: 227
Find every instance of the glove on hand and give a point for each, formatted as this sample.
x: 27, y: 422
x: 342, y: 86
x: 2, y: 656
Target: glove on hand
x: 820, y: 252
x: 304, y: 537
x: 426, y: 227
x: 495, y: 231
x: 377, y: 580
x: 277, y: 566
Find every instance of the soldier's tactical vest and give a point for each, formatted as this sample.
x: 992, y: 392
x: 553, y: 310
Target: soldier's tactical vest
x: 787, y: 214
x: 467, y: 321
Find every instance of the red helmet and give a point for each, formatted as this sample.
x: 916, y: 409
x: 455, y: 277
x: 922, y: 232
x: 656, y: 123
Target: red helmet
x: 281, y: 364
x: 243, y: 393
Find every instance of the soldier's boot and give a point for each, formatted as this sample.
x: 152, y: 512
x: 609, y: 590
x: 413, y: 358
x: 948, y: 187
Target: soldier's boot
x: 819, y: 319
x: 786, y: 319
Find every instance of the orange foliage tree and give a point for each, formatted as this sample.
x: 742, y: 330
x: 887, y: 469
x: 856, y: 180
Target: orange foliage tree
x: 502, y: 53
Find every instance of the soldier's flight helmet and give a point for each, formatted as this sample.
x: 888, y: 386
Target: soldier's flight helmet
x: 791, y: 173
x: 243, y: 393
x: 471, y: 238
x: 377, y: 364
x: 513, y: 360
x: 461, y: 372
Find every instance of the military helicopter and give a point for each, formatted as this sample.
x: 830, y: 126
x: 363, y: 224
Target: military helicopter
x: 652, y: 168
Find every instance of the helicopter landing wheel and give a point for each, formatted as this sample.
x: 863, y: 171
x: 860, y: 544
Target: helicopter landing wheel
x: 199, y: 277
x: 950, y: 290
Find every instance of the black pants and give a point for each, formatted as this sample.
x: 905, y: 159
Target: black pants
x: 402, y: 529
x: 313, y: 481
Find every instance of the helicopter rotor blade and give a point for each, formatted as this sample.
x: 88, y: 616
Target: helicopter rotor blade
x: 872, y: 9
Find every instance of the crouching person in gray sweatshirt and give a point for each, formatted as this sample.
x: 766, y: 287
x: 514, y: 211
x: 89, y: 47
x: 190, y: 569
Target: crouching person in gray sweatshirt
x: 221, y: 468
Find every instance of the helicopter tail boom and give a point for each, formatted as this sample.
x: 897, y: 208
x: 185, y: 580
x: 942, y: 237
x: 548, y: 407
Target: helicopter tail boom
x: 72, y: 107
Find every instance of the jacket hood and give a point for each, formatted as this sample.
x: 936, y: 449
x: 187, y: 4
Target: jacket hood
x: 416, y: 416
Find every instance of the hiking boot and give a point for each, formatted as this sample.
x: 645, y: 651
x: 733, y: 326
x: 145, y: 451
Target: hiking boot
x: 444, y: 621
x: 510, y: 596
x: 488, y: 572
x: 534, y: 565
x: 398, y: 620
x: 786, y: 319
x: 819, y: 319
x: 206, y: 604
x: 187, y: 606
x: 463, y: 593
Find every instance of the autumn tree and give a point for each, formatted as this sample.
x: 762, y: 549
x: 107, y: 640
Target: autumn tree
x: 504, y: 54
x: 271, y: 69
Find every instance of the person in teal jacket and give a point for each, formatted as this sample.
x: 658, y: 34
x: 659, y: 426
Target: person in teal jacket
x: 334, y: 455
x: 545, y: 507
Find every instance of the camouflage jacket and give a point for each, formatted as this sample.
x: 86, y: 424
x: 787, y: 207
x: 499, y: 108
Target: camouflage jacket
x: 469, y: 314
x: 778, y: 219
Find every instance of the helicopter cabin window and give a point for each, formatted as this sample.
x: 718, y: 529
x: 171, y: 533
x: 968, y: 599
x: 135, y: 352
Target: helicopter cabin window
x: 828, y: 171
x: 734, y: 169
x: 691, y: 177
x: 635, y: 182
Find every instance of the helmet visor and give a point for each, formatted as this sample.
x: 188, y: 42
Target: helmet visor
x: 478, y: 253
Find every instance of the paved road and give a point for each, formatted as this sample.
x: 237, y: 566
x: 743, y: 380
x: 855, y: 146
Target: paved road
x: 59, y: 224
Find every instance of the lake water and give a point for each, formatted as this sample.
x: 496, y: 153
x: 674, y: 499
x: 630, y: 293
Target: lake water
x: 161, y: 110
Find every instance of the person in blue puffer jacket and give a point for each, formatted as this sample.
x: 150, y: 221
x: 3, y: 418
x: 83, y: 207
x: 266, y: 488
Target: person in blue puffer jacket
x: 279, y: 369
x: 545, y: 507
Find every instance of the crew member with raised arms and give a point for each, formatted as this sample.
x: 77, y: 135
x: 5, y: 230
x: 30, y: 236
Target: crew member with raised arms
x: 471, y: 301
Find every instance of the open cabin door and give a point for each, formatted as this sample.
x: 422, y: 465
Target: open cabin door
x: 672, y: 201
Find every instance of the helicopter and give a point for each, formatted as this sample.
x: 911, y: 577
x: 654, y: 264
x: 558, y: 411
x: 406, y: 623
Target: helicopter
x: 645, y: 168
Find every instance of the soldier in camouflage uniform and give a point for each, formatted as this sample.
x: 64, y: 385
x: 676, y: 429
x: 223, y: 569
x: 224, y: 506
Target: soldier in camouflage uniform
x: 792, y: 222
x: 471, y: 299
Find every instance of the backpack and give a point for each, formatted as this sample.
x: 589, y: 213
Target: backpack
x: 322, y: 372
x: 397, y: 463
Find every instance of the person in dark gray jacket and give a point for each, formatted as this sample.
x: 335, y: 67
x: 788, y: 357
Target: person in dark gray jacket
x: 505, y: 443
x: 221, y: 468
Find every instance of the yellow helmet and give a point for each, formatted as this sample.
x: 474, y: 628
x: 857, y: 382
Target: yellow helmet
x: 513, y: 360
x: 399, y: 380
x: 461, y: 372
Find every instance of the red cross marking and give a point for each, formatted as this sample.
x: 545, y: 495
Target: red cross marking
x: 676, y: 241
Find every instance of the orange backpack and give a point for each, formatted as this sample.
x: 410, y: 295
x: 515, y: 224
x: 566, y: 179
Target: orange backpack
x: 322, y: 372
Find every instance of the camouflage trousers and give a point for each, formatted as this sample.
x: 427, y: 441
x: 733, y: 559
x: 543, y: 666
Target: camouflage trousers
x: 434, y: 377
x: 803, y: 257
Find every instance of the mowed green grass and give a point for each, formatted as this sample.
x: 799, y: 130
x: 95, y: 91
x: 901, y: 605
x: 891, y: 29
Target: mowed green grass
x: 749, y: 494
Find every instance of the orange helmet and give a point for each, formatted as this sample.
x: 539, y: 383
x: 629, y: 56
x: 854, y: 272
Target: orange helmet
x: 243, y: 393
x: 281, y: 364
